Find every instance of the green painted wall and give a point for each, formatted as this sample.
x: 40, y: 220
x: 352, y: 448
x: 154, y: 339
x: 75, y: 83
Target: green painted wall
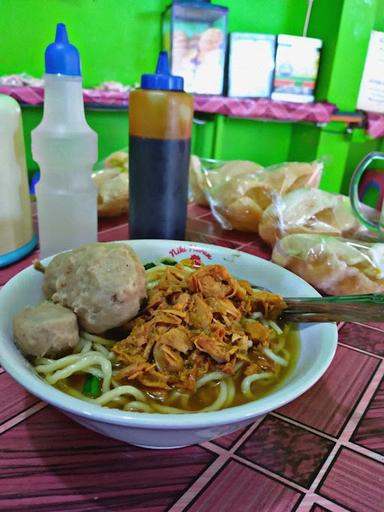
x: 119, y: 40
x: 252, y: 140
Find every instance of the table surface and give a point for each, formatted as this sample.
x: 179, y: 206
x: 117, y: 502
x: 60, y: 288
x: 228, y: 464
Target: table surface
x: 324, y: 451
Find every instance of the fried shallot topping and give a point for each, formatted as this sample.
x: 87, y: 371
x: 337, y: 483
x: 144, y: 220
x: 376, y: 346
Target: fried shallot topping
x: 194, y: 323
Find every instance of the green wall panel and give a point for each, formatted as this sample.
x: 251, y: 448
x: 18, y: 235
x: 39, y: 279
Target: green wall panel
x: 345, y: 27
x: 202, y: 135
x: 325, y: 26
x: 333, y: 147
x: 117, y: 39
x: 266, y: 16
x: 262, y: 142
x: 304, y: 141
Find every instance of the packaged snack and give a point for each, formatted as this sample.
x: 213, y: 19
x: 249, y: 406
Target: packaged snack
x: 112, y: 192
x: 117, y: 160
x: 336, y: 266
x: 309, y: 211
x: 239, y: 192
x: 297, y: 64
x: 251, y: 62
x: 197, y: 183
x: 112, y: 182
x: 205, y: 174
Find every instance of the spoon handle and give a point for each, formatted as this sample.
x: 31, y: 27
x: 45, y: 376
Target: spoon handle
x: 348, y: 308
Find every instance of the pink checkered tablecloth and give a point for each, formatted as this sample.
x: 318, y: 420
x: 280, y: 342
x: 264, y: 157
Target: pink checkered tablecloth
x: 322, y: 452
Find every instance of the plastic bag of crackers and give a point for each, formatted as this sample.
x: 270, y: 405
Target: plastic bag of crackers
x: 315, y: 234
x: 333, y: 265
x: 239, y: 191
x: 112, y: 182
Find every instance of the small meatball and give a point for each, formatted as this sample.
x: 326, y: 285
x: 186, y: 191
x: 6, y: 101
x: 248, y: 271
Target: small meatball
x: 47, y: 329
x: 104, y: 284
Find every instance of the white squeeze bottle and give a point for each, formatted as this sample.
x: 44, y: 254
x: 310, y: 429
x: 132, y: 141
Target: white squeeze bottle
x: 65, y: 148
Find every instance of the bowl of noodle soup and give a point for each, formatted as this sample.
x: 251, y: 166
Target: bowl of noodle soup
x: 223, y: 399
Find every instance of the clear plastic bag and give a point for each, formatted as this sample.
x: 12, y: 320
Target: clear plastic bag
x: 238, y: 191
x: 116, y: 160
x: 310, y: 211
x: 334, y: 265
x: 112, y: 183
x: 206, y: 174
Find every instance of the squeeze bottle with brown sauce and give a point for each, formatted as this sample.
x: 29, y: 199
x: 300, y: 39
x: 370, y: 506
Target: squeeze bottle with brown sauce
x: 160, y: 125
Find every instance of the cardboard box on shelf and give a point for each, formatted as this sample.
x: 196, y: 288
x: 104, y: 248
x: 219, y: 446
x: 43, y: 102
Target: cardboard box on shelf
x: 297, y: 64
x: 250, y: 65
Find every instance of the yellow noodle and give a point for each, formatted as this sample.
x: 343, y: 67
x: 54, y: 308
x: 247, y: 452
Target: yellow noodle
x: 275, y: 327
x: 184, y: 400
x: 274, y: 357
x: 86, y: 347
x: 168, y: 409
x: 119, y: 391
x: 220, y: 400
x: 279, y: 345
x: 86, y: 360
x: 96, y: 372
x: 79, y: 347
x: 136, y: 405
x: 43, y: 360
x: 100, y: 348
x: 97, y: 339
x: 176, y: 394
x: 231, y: 390
x: 208, y: 377
x: 56, y: 364
x: 247, y: 382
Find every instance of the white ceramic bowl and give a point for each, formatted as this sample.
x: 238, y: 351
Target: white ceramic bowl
x: 317, y: 348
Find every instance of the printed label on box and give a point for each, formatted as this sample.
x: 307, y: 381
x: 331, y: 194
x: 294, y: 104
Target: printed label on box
x: 371, y: 94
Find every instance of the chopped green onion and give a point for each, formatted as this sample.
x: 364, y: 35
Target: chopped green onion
x: 168, y: 261
x: 92, y: 386
x: 149, y: 265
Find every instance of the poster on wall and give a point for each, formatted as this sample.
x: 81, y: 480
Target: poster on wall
x: 371, y: 94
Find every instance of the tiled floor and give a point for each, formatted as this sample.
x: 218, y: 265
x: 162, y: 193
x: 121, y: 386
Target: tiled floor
x: 322, y: 452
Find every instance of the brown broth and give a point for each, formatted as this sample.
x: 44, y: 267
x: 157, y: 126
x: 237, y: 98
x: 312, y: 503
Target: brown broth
x: 207, y: 394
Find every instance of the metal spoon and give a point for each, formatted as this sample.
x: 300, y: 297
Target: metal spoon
x: 347, y: 308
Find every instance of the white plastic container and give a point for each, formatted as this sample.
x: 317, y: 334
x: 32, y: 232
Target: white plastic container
x: 250, y: 65
x: 16, y: 234
x: 65, y: 148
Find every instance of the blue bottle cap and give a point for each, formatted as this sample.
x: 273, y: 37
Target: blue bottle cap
x: 61, y: 57
x: 162, y: 79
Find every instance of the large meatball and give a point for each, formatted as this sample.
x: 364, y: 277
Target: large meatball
x: 46, y: 329
x: 103, y: 283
